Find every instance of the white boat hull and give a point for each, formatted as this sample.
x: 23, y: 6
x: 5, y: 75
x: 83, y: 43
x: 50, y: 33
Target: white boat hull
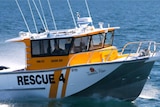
x: 103, y: 79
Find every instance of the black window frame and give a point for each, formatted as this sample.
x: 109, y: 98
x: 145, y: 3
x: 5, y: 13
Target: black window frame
x: 41, y: 47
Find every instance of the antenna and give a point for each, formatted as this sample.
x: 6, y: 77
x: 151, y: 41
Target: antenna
x: 43, y: 14
x: 54, y: 23
x: 39, y: 15
x: 22, y: 15
x: 72, y: 13
x: 32, y: 16
x: 88, y: 10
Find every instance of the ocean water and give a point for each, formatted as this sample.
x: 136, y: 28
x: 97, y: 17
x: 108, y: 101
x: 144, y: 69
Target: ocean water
x: 137, y: 19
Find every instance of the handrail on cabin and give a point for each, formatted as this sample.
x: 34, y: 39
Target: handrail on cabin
x: 91, y: 54
x: 140, y: 44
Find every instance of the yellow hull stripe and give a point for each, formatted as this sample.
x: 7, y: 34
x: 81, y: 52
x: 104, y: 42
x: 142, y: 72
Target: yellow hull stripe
x: 54, y: 87
x: 65, y: 84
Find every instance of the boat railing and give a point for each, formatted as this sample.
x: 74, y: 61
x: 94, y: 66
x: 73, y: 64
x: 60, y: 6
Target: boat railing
x: 131, y: 49
x: 141, y: 46
x: 93, y: 57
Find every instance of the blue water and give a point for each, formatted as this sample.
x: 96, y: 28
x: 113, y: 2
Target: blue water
x: 138, y: 19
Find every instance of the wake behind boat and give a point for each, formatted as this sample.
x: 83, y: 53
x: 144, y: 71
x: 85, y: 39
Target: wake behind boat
x: 77, y: 62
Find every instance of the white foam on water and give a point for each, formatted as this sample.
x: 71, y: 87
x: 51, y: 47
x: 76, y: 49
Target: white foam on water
x: 4, y: 105
x: 150, y: 92
x: 12, y: 55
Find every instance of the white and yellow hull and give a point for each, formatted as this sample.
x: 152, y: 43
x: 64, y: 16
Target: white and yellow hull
x: 103, y: 79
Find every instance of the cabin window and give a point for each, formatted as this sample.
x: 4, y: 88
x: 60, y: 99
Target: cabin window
x: 97, y: 41
x: 80, y: 44
x: 109, y: 38
x: 39, y: 47
x: 60, y: 46
x: 53, y: 47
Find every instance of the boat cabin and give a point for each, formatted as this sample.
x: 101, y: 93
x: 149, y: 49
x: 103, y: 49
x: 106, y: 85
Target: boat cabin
x: 51, y: 47
x: 65, y: 48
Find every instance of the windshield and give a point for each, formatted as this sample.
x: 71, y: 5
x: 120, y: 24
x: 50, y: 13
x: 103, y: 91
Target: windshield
x: 51, y: 47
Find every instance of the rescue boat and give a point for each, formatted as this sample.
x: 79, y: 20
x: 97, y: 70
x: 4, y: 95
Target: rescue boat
x: 78, y: 62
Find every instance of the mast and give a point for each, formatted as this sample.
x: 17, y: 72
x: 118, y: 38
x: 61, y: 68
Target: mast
x: 45, y: 22
x: 53, y: 19
x: 35, y: 25
x: 89, y: 13
x: 39, y: 15
x: 22, y: 16
x: 69, y: 5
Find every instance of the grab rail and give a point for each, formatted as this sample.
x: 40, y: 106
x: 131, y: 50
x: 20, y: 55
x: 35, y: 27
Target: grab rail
x: 91, y: 55
x: 140, y: 46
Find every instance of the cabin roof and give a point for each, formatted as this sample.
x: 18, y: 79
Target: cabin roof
x: 62, y: 33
